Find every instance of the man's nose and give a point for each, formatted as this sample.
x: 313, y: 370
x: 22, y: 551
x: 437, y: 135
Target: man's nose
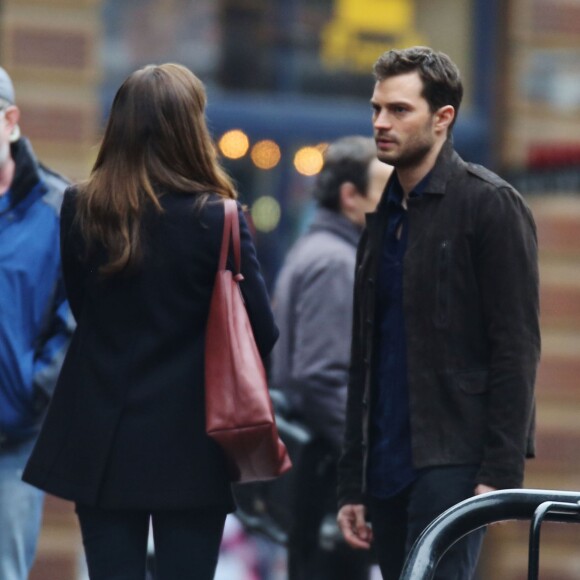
x: 382, y: 120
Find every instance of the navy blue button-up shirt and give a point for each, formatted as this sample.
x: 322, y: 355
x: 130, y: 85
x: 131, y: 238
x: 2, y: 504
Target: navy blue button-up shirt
x: 390, y: 463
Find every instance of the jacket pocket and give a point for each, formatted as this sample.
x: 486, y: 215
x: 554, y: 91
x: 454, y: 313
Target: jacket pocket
x: 471, y: 382
x: 467, y: 415
x: 443, y: 285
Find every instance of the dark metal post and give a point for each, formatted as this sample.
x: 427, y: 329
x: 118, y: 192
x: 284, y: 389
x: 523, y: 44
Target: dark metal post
x: 539, y: 516
x: 474, y: 513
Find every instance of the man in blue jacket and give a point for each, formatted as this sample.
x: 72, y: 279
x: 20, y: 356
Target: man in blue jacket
x: 35, y: 327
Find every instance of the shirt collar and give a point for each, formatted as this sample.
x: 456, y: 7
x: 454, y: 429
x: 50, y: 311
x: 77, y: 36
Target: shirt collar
x: 395, y: 191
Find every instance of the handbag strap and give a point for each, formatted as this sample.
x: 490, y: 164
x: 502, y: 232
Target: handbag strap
x: 231, y: 231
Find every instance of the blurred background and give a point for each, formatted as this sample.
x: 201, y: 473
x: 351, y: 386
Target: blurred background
x: 284, y: 77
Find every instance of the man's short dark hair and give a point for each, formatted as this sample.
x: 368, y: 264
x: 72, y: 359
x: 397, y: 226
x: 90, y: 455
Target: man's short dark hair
x: 345, y: 160
x: 440, y: 75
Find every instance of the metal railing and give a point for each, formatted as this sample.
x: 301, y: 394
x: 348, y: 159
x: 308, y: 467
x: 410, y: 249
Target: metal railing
x: 517, y: 504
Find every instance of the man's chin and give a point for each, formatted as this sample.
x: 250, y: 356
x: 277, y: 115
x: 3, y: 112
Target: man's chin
x: 386, y: 157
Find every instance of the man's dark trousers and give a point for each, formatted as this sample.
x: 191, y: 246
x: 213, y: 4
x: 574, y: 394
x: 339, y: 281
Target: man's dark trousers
x: 399, y: 520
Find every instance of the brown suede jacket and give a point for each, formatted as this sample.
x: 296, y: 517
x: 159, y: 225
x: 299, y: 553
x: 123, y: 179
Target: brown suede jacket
x: 472, y: 324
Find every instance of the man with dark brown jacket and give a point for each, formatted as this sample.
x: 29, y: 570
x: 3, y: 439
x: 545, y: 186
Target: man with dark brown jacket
x: 445, y: 329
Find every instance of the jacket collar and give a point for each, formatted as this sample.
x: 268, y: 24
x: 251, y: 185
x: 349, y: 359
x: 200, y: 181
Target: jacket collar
x: 334, y: 222
x: 443, y: 169
x: 441, y: 173
x: 374, y: 224
x: 26, y: 175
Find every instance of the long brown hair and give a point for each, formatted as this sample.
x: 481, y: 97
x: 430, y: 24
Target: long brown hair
x: 156, y: 138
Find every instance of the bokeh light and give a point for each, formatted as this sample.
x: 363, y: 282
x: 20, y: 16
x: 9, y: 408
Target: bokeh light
x: 265, y: 154
x: 266, y: 213
x: 234, y: 144
x: 308, y: 161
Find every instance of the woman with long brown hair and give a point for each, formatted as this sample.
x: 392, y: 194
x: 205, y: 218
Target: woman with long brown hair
x: 125, y: 434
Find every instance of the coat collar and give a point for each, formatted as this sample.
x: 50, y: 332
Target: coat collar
x: 443, y: 169
x: 334, y: 222
x: 26, y: 175
x: 374, y: 224
x: 441, y: 173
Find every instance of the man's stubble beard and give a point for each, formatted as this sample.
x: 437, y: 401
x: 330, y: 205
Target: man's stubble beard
x: 413, y: 157
x: 417, y: 148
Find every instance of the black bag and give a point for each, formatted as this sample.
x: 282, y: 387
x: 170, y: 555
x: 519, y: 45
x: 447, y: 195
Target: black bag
x: 274, y: 508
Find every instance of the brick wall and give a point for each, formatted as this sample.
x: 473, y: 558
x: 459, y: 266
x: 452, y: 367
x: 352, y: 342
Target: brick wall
x: 50, y: 49
x: 557, y: 465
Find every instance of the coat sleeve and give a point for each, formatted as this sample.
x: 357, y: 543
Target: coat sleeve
x: 255, y: 293
x: 321, y: 346
x: 351, y: 463
x: 53, y: 341
x: 507, y: 270
x: 71, y: 251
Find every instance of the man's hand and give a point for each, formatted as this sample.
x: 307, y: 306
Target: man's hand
x: 352, y: 524
x: 482, y: 488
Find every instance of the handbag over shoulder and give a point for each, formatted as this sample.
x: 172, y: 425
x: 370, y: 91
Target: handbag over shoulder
x: 239, y: 411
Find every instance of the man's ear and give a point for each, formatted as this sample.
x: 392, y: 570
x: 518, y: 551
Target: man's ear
x: 12, y: 116
x: 444, y: 117
x: 347, y: 194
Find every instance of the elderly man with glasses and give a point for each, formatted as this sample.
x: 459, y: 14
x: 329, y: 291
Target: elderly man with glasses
x: 35, y: 327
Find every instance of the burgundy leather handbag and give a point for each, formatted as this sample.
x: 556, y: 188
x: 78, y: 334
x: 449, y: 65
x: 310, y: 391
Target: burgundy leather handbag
x: 239, y: 412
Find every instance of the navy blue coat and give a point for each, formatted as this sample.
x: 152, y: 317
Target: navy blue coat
x: 126, y: 426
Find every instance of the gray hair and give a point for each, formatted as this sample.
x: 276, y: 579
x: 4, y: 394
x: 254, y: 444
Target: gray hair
x: 345, y: 160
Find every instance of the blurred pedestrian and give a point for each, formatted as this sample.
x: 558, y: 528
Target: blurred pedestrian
x: 125, y: 435
x: 446, y: 335
x: 35, y: 327
x: 313, y: 308
x: 238, y: 555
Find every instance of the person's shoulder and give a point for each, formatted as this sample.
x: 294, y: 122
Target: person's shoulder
x: 487, y: 177
x: 70, y: 196
x: 52, y: 178
x: 205, y: 211
x: 497, y: 195
x: 492, y: 186
x: 322, y: 251
x: 55, y: 184
x: 211, y: 205
x: 333, y: 246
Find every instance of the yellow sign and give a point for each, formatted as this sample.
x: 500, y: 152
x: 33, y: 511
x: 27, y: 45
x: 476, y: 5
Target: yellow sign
x: 361, y: 30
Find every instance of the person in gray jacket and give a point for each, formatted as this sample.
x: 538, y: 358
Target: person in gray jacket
x: 313, y: 309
